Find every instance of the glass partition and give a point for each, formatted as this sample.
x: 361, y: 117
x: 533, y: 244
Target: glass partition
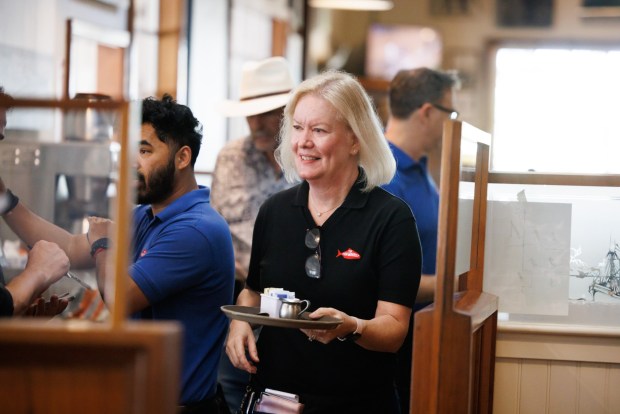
x: 552, y: 253
x: 64, y: 175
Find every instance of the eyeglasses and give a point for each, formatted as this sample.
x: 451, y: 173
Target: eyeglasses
x: 454, y: 114
x: 313, y: 263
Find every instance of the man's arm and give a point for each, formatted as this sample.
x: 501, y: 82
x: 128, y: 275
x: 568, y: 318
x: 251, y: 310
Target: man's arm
x: 136, y: 300
x: 31, y: 228
x: 426, y: 291
x: 47, y: 263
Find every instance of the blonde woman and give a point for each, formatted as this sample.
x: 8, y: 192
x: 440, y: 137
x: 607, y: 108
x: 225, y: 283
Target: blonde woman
x: 340, y: 241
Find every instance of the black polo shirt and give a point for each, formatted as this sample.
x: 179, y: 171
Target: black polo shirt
x: 382, y: 261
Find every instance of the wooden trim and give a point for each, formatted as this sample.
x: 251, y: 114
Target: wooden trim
x: 375, y: 84
x: 118, y: 261
x: 477, y: 305
x: 531, y: 178
x: 478, y: 232
x: 171, y: 14
x: 279, y: 32
x: 68, y: 32
x: 60, y: 104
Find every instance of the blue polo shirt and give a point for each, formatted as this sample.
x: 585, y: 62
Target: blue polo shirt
x: 416, y: 187
x: 184, y: 265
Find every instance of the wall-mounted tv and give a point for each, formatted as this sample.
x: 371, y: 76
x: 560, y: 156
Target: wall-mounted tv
x: 390, y: 48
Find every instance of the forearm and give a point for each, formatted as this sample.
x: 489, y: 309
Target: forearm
x: 383, y: 333
x: 248, y: 297
x: 101, y: 271
x: 426, y: 291
x: 31, y: 228
x: 24, y: 289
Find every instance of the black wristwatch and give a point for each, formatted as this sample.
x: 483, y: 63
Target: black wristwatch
x: 98, y: 244
x: 356, y: 334
x: 353, y: 336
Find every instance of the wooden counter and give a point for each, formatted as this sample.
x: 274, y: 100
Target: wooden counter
x: 84, y: 367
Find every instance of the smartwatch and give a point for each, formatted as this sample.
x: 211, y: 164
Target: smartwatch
x: 8, y: 201
x: 99, y: 244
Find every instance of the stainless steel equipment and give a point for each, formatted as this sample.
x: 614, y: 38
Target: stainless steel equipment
x: 62, y: 182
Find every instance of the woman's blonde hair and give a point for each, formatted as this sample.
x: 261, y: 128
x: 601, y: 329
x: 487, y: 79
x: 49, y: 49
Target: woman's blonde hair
x: 356, y: 110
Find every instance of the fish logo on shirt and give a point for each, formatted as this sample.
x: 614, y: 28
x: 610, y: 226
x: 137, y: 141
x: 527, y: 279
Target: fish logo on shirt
x: 349, y: 254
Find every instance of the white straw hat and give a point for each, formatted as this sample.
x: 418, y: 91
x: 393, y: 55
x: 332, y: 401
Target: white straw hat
x: 265, y: 86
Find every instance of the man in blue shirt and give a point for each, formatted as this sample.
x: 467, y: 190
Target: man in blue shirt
x: 183, y: 264
x: 420, y: 101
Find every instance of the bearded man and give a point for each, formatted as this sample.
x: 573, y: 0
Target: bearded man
x: 182, y: 265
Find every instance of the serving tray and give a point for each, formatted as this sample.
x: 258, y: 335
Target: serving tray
x: 253, y: 315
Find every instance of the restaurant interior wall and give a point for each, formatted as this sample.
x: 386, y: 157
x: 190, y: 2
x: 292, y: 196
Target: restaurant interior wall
x: 466, y: 36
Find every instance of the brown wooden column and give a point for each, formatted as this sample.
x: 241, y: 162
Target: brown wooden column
x: 171, y: 23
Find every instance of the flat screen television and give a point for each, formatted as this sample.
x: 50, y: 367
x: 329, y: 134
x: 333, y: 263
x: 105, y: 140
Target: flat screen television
x: 390, y: 48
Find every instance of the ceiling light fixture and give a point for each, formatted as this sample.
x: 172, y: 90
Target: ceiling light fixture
x: 352, y: 4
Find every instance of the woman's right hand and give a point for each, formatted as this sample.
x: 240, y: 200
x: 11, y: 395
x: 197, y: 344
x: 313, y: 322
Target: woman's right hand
x: 240, y: 338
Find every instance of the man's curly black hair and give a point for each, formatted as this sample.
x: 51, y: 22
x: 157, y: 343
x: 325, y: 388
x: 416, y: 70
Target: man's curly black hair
x: 174, y: 123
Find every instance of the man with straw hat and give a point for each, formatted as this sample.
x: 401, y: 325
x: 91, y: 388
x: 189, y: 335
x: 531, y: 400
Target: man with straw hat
x: 246, y: 174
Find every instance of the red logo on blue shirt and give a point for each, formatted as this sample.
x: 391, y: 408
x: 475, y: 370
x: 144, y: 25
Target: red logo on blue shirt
x: 142, y: 253
x: 349, y: 254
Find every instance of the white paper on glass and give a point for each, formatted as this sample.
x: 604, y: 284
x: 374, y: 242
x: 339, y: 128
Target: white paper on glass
x: 527, y: 256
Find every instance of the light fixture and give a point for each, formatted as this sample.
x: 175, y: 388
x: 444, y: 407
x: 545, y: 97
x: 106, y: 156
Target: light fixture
x: 352, y: 4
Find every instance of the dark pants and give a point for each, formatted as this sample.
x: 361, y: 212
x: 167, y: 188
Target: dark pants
x: 212, y: 405
x: 234, y: 381
x: 403, y: 370
x: 403, y: 364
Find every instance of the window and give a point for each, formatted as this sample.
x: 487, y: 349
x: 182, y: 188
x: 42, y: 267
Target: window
x: 557, y: 110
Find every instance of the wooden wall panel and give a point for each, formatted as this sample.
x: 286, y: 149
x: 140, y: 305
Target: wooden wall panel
x: 506, y: 393
x: 534, y: 378
x: 563, y: 387
x: 613, y: 390
x: 592, y: 389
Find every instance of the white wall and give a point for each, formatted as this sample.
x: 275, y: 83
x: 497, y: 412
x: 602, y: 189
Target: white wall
x: 33, y: 33
x: 32, y: 47
x: 208, y: 75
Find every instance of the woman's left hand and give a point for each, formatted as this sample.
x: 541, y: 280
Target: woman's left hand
x: 42, y: 308
x: 325, y: 336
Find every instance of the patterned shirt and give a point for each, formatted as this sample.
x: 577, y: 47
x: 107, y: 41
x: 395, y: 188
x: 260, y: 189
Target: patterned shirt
x: 243, y: 179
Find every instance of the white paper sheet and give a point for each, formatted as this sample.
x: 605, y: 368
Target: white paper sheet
x: 527, y: 256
